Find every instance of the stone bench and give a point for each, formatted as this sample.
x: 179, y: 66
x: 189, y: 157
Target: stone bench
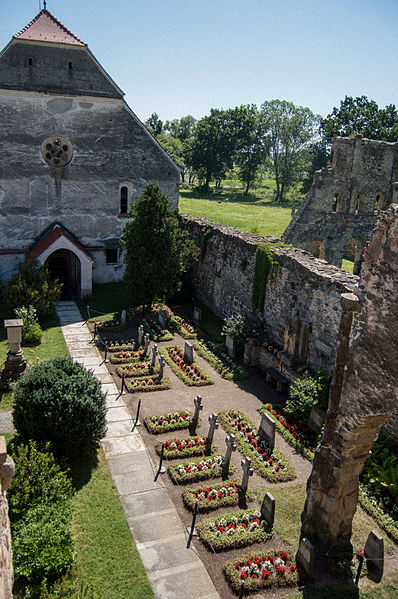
x: 275, y: 378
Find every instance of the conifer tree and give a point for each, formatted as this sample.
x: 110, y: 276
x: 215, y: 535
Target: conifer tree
x: 158, y: 251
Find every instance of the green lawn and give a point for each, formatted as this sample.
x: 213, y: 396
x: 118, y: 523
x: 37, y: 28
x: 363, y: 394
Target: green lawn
x: 347, y: 265
x: 254, y: 213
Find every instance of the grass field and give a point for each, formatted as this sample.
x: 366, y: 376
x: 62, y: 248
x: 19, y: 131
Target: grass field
x: 254, y: 213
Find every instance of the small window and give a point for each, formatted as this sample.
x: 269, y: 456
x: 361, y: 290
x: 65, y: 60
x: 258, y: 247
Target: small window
x: 111, y: 256
x: 124, y: 193
x: 30, y: 62
x: 70, y: 65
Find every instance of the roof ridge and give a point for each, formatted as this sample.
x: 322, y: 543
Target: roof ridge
x: 54, y: 19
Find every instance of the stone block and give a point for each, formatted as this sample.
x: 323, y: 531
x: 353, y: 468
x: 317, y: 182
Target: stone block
x: 188, y: 352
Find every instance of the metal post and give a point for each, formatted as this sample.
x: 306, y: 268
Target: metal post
x: 160, y: 469
x: 242, y: 588
x: 122, y: 391
x: 106, y: 361
x: 191, y: 534
x: 95, y: 330
x: 360, y: 564
x: 137, y: 423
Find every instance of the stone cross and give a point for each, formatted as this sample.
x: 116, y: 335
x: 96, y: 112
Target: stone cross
x: 146, y: 343
x: 213, y: 426
x: 188, y: 352
x: 198, y: 406
x: 162, y: 362
x: 231, y: 446
x: 154, y: 354
x: 268, y: 509
x: 123, y: 318
x: 140, y: 334
x: 247, y: 471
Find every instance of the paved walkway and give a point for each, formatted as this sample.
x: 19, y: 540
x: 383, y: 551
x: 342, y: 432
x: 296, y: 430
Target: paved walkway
x: 174, y: 571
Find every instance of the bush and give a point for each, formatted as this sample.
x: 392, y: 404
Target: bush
x: 33, y: 335
x: 31, y: 330
x: 61, y: 402
x: 38, y: 479
x: 307, y: 392
x: 42, y: 546
x: 32, y: 286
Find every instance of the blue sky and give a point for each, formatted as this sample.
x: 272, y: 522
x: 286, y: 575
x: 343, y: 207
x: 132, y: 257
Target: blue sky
x: 178, y: 57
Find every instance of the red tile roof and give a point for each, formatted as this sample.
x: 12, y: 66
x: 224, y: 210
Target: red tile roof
x: 49, y: 239
x: 46, y: 28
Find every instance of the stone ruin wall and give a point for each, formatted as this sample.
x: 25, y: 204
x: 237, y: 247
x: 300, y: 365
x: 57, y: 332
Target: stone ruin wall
x: 223, y: 280
x: 6, y: 568
x: 338, y: 215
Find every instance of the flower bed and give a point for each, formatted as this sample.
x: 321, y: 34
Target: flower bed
x: 183, y: 448
x: 370, y: 505
x: 191, y: 374
x: 272, y: 568
x: 147, y: 383
x: 269, y: 464
x: 126, y: 357
x: 297, y: 434
x: 110, y: 325
x: 121, y: 345
x: 220, y: 360
x: 183, y: 327
x: 231, y: 531
x: 155, y: 331
x: 136, y: 369
x: 215, y: 496
x: 194, y: 470
x: 163, y: 423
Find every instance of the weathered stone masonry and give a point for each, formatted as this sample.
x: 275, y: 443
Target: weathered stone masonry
x: 305, y: 291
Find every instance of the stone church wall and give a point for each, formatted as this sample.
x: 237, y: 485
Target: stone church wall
x: 340, y: 211
x: 305, y: 289
x: 110, y: 148
x: 6, y: 567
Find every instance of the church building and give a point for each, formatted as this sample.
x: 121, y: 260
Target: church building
x: 73, y: 156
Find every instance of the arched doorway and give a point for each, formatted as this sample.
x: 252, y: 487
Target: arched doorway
x: 64, y: 265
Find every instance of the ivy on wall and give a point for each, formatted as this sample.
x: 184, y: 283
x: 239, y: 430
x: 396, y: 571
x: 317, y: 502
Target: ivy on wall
x: 265, y: 268
x: 205, y: 240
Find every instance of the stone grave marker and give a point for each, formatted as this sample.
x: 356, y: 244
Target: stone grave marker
x: 247, y: 471
x: 305, y: 557
x: 231, y: 346
x: 162, y: 362
x: 140, y: 335
x: 374, y: 554
x: 231, y: 446
x: 197, y: 316
x: 154, y: 354
x: 213, y: 426
x: 188, y: 352
x: 146, y: 343
x: 266, y: 431
x: 123, y: 318
x: 162, y: 319
x: 268, y: 509
x: 198, y: 406
x: 316, y: 419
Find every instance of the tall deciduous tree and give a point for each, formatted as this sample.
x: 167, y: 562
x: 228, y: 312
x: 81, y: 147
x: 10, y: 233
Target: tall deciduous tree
x: 158, y: 251
x: 290, y: 128
x: 360, y: 115
x: 253, y: 143
x: 154, y: 124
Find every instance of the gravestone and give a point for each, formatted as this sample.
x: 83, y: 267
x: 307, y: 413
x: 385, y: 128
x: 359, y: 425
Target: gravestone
x: 154, y: 354
x: 146, y: 343
x: 188, y: 352
x: 231, y: 346
x: 316, y: 419
x: 374, y: 554
x: 123, y: 318
x: 213, y: 426
x: 162, y: 362
x: 231, y: 446
x: 198, y: 406
x: 197, y: 316
x: 266, y: 431
x: 268, y: 509
x: 305, y: 557
x: 247, y: 471
x: 140, y: 335
x: 162, y: 319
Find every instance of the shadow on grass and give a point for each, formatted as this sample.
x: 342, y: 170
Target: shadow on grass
x: 81, y: 469
x: 231, y: 196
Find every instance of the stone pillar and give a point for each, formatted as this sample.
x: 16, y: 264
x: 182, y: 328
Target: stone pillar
x: 15, y: 362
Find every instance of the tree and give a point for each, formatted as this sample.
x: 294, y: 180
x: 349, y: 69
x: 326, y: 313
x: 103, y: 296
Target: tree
x: 360, y: 115
x: 154, y: 124
x: 253, y: 144
x: 158, y: 252
x: 290, y: 129
x: 212, y: 149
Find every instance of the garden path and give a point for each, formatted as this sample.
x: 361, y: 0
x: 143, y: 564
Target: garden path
x: 174, y: 571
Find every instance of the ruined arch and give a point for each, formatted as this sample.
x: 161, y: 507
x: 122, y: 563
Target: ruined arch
x: 353, y: 250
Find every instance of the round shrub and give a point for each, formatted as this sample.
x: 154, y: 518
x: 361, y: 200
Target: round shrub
x: 38, y: 480
x: 32, y: 335
x: 61, y: 402
x: 42, y: 546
